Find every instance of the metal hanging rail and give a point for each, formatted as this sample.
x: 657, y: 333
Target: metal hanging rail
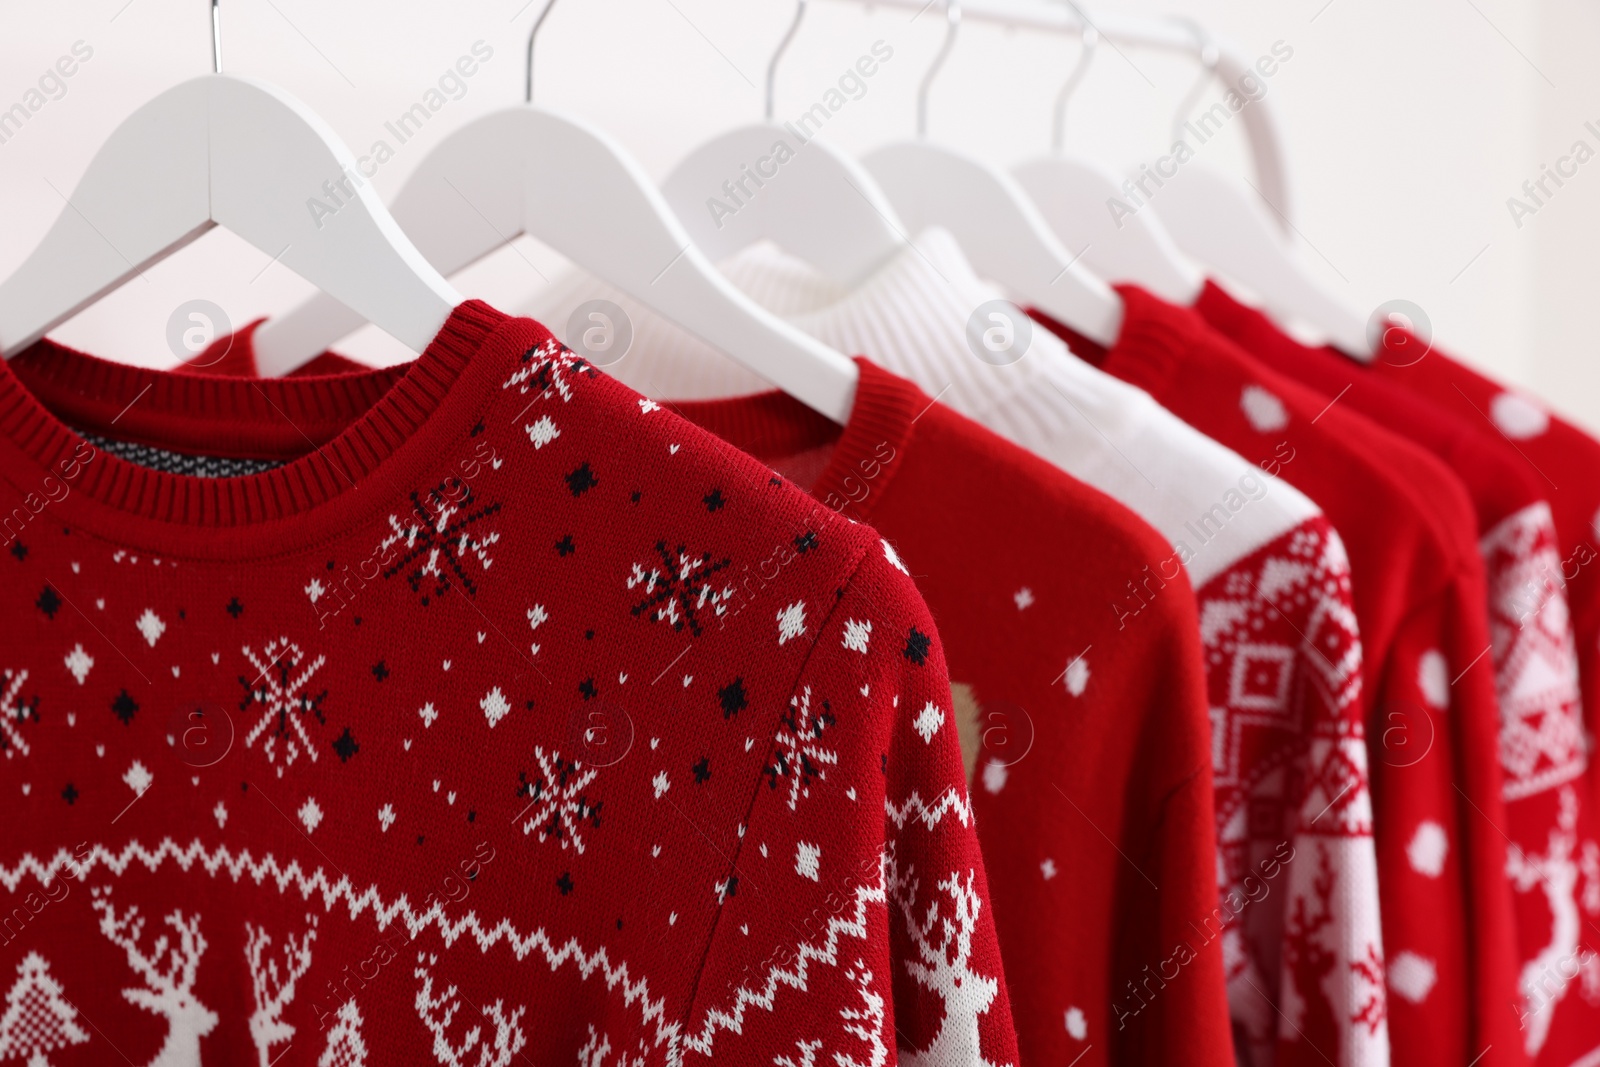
x: 1182, y: 37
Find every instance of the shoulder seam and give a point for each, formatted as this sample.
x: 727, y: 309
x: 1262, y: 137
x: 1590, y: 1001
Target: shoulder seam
x: 851, y: 572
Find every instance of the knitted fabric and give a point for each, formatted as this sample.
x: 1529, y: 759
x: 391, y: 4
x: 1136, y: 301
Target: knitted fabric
x: 511, y: 718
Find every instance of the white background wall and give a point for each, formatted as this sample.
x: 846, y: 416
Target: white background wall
x: 1408, y: 125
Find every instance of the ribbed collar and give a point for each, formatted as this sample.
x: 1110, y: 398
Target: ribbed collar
x: 1152, y: 344
x: 775, y: 424
x: 335, y: 434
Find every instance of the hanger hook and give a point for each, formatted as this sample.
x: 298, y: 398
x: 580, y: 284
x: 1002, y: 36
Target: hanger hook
x: 216, y: 37
x: 952, y: 16
x: 783, y: 46
x: 1210, y: 57
x: 1091, y: 42
x: 533, y: 35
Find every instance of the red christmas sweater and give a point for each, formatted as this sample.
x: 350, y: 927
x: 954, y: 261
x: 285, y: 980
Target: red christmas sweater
x: 475, y: 711
x: 1543, y: 753
x: 1088, y: 742
x: 1074, y: 724
x: 1429, y: 693
x: 1563, y: 457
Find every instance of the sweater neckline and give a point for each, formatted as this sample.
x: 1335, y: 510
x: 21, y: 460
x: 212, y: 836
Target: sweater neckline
x: 1155, y: 335
x: 773, y: 423
x: 349, y: 443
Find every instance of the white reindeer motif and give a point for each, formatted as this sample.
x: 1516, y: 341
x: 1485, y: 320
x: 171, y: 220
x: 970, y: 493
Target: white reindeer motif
x: 168, y: 971
x: 944, y: 950
x: 1545, y: 978
x: 274, y: 990
x: 508, y: 1035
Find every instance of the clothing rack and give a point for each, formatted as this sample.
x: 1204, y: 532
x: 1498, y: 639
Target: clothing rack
x: 1133, y: 31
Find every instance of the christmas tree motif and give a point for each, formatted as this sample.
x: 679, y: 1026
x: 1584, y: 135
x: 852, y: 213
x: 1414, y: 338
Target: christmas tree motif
x: 549, y: 369
x: 168, y: 970
x: 678, y: 588
x: 14, y: 712
x: 1545, y: 978
x: 279, y: 688
x: 346, y: 1047
x: 440, y: 539
x: 38, y: 1019
x: 594, y: 1053
x: 943, y: 945
x: 438, y: 1013
x: 274, y: 989
x: 563, y: 807
x: 865, y: 1023
x: 797, y: 758
x: 1372, y: 1006
x: 805, y: 1055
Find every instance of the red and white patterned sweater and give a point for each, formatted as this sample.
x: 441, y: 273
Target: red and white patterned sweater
x: 1428, y: 691
x: 1079, y: 717
x: 485, y: 712
x: 1554, y: 866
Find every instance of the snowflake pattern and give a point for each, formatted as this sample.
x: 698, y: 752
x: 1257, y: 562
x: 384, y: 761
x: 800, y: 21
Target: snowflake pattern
x: 557, y: 794
x: 79, y: 663
x: 549, y: 370
x: 151, y: 627
x: 797, y: 757
x: 792, y: 621
x: 439, y: 540
x: 857, y: 635
x: 679, y: 589
x: 279, y: 688
x: 542, y: 432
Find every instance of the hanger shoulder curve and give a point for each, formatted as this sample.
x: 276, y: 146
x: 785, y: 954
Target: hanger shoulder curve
x: 1001, y: 232
x: 1224, y: 225
x: 1076, y: 197
x: 230, y: 151
x: 537, y: 171
x: 146, y: 189
x: 822, y: 205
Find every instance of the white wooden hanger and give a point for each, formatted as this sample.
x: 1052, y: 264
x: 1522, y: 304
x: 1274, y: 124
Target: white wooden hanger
x: 531, y: 170
x: 1075, y: 194
x: 221, y: 150
x: 998, y: 228
x: 786, y: 185
x: 1222, y: 223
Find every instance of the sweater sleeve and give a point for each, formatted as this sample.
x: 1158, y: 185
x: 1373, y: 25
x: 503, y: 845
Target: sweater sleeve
x: 1170, y: 1001
x: 856, y: 917
x: 1448, y: 924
